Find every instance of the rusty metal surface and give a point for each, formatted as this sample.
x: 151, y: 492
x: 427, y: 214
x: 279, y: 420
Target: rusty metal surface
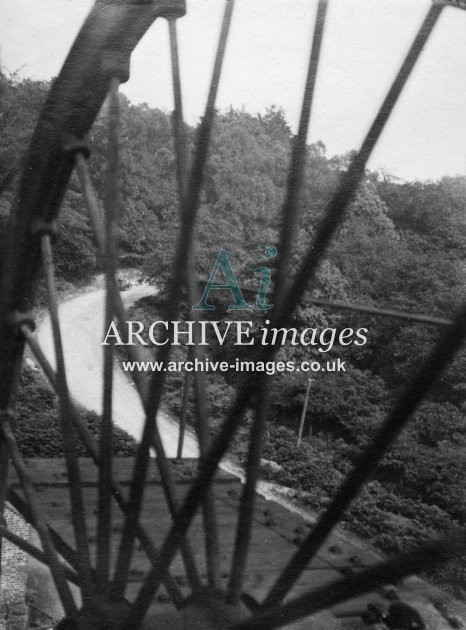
x: 276, y: 533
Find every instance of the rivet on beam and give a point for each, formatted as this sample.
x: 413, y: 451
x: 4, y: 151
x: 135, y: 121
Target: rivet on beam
x: 115, y: 64
x: 42, y: 227
x: 17, y: 320
x: 72, y: 145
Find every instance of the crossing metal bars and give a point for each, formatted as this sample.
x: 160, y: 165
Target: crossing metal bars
x: 97, y: 64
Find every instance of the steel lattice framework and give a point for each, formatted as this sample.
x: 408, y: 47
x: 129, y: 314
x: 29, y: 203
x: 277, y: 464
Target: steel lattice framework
x: 97, y: 64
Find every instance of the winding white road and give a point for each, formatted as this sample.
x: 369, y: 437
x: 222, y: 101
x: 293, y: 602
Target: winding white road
x: 82, y: 331
x: 82, y: 328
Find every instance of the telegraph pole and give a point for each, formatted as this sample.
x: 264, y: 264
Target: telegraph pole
x: 303, y: 415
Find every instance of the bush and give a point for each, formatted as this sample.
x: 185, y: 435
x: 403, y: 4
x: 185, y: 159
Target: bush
x: 38, y: 428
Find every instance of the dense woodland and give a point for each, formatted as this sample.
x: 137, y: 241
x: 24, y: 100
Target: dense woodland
x: 401, y: 246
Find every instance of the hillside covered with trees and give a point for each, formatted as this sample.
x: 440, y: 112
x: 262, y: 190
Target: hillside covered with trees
x: 401, y: 246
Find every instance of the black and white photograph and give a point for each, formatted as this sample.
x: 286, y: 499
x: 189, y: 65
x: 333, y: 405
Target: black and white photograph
x: 233, y: 314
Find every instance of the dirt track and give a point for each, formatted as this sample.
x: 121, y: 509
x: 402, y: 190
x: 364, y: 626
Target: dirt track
x: 82, y: 330
x: 82, y: 326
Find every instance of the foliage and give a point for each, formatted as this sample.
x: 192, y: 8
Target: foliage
x: 38, y: 428
x: 401, y: 246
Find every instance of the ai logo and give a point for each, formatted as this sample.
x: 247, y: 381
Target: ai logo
x: 231, y: 283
